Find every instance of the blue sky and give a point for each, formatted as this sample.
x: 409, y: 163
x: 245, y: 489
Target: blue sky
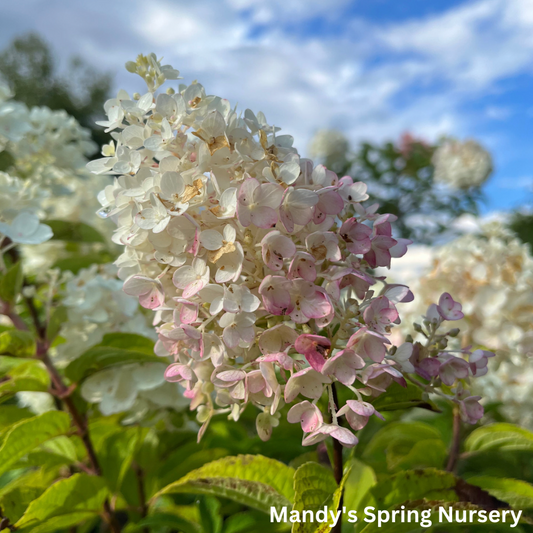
x: 372, y: 68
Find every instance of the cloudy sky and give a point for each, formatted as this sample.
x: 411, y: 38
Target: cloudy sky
x: 372, y: 69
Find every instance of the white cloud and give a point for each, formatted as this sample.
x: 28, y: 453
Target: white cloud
x: 372, y: 81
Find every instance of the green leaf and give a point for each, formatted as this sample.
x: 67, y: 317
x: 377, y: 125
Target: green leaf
x: 74, y: 231
x: 24, y: 375
x: 11, y: 283
x: 431, y: 484
x: 399, y: 397
x: 499, y: 437
x: 100, y: 357
x: 58, y: 317
x: 11, y: 414
x: 76, y: 262
x: 252, y: 480
x: 59, y: 523
x: 406, y: 444
x: 403, y: 454
x: 116, y: 455
x: 17, y: 343
x: 361, y: 479
x: 518, y: 494
x: 78, y: 496
x: 316, y: 490
x: 165, y: 520
x: 314, y: 486
x: 210, y: 515
x: 174, y: 467
x: 129, y: 341
x: 56, y: 452
x: 15, y: 502
x: 26, y: 435
x: 253, y: 521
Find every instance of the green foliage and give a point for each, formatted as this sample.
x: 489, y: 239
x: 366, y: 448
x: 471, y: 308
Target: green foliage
x: 518, y: 494
x: 19, y: 375
x: 134, y: 350
x: 499, y: 437
x: 168, y: 520
x: 399, y: 397
x: 255, y: 481
x: 406, y: 445
x: 412, y: 485
x: 74, y: 231
x: 17, y: 343
x: 67, y: 502
x: 26, y: 435
x: 11, y: 283
x: 314, y: 486
x: 522, y: 225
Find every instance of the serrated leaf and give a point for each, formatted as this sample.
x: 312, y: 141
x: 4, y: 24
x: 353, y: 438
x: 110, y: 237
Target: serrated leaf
x: 499, y: 437
x: 80, y: 494
x: 17, y: 343
x: 411, y: 485
x: 252, y: 480
x: 314, y: 486
x: 315, y: 490
x: 518, y: 494
x: 100, y: 357
x: 74, y: 231
x: 11, y: 283
x: 26, y: 435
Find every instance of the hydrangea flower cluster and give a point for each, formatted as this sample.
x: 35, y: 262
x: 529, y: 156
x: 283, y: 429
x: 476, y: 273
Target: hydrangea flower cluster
x: 462, y: 164
x: 47, y: 179
x: 491, y: 272
x: 257, y: 264
x: 96, y: 306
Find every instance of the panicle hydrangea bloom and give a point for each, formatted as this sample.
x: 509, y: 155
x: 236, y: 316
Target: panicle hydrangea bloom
x: 491, y: 273
x: 96, y: 306
x: 328, y: 143
x: 258, y: 264
x: 47, y: 179
x: 462, y: 164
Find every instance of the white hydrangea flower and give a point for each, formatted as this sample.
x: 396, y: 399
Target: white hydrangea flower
x: 328, y: 143
x: 462, y: 164
x: 491, y: 273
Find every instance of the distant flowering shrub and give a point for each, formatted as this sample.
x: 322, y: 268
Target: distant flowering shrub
x: 259, y: 266
x: 462, y: 165
x: 492, y: 274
